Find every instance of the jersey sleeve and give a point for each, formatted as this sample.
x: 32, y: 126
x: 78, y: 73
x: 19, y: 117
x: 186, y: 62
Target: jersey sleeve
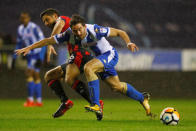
x: 60, y: 18
x: 101, y: 31
x: 63, y: 37
x: 66, y: 20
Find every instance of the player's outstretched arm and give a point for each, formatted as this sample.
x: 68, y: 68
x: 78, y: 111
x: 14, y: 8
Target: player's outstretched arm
x: 41, y: 43
x: 116, y: 32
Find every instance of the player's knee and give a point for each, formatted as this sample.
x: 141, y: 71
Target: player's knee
x: 37, y: 81
x: 88, y: 70
x: 117, y: 87
x: 30, y: 79
x: 69, y: 81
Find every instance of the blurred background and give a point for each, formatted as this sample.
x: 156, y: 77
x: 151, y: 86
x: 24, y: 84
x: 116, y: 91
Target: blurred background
x: 164, y: 30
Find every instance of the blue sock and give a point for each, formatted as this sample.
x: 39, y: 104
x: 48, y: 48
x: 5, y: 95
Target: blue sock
x: 38, y: 90
x: 30, y: 86
x: 94, y: 91
x: 134, y: 94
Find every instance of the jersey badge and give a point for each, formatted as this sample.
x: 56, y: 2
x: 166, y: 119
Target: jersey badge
x: 103, y: 30
x: 96, y: 30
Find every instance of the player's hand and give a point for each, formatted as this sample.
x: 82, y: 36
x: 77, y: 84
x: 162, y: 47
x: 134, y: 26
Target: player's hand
x: 132, y: 47
x: 23, y: 51
x: 50, y: 50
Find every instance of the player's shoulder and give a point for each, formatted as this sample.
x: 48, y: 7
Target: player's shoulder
x: 64, y: 18
x: 20, y: 27
x: 92, y: 28
x: 33, y: 25
x: 96, y: 29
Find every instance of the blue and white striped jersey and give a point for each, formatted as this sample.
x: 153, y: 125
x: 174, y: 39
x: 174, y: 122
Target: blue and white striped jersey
x: 95, y: 39
x: 28, y: 35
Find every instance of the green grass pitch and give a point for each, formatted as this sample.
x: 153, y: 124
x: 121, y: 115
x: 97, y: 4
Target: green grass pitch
x: 119, y: 115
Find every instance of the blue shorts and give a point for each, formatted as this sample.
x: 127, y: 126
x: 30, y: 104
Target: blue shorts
x: 109, y: 60
x: 33, y: 62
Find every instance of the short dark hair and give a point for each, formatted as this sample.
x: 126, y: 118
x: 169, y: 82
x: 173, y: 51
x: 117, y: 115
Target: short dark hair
x: 49, y: 11
x: 75, y: 19
x: 25, y: 12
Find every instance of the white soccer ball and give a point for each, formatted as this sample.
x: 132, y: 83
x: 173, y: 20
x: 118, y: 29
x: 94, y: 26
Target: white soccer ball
x: 169, y: 116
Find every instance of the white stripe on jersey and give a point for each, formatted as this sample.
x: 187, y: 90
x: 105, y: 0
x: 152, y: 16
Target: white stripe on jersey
x: 111, y: 56
x: 103, y: 45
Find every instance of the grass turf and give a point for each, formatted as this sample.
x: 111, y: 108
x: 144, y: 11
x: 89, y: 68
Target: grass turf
x: 119, y: 115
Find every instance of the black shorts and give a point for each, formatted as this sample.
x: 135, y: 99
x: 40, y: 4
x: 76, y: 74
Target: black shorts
x: 80, y: 58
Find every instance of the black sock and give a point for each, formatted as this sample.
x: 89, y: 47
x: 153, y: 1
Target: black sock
x: 82, y: 89
x: 56, y: 86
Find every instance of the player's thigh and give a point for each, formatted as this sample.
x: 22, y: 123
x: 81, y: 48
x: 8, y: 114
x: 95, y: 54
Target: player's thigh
x: 55, y: 73
x: 94, y: 65
x: 29, y: 72
x: 72, y: 72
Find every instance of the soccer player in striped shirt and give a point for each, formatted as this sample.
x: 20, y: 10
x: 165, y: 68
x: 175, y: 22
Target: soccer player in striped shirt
x: 28, y: 33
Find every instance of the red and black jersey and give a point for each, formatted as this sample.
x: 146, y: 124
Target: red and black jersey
x: 66, y: 26
x: 78, y: 54
x: 67, y: 20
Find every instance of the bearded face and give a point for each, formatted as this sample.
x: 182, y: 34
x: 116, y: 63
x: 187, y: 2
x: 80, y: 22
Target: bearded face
x: 49, y: 21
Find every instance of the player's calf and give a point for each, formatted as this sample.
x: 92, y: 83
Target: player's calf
x: 56, y: 86
x: 82, y: 89
x: 66, y: 104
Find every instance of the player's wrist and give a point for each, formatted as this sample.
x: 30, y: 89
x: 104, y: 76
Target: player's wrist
x: 30, y: 47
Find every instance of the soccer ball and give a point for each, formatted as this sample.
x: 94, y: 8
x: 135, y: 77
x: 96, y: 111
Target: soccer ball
x: 169, y: 116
